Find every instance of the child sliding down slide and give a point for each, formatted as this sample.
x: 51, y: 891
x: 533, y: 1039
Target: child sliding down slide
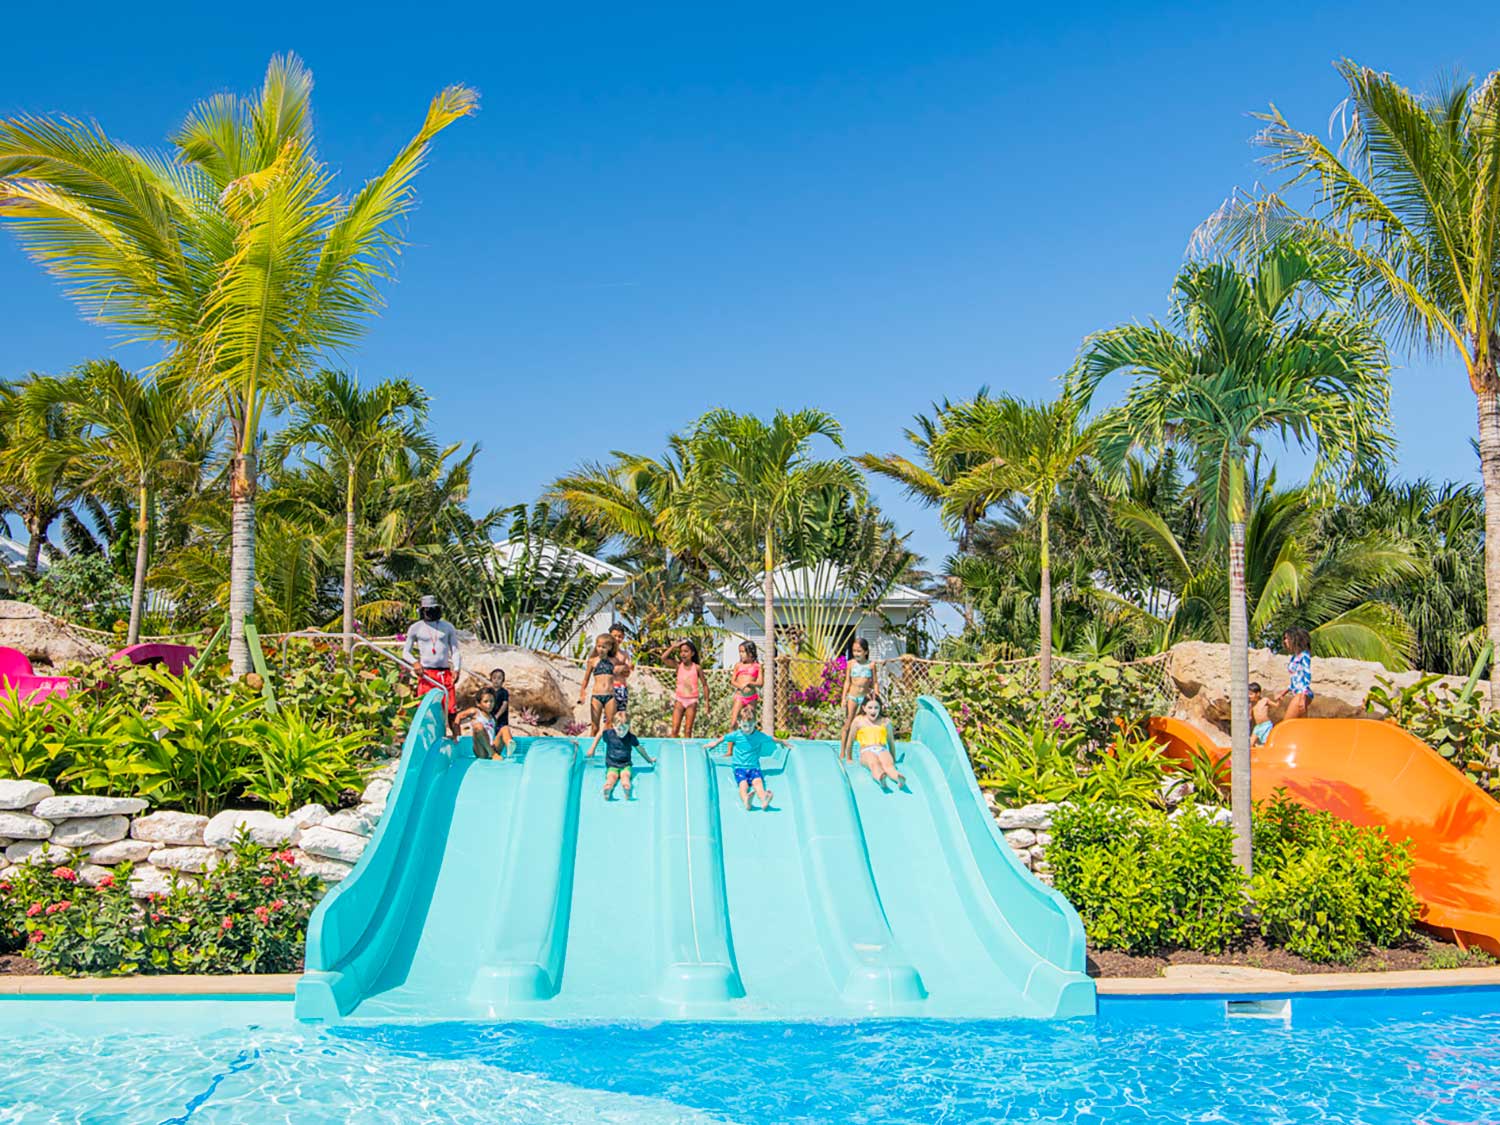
x: 745, y: 745
x: 619, y: 746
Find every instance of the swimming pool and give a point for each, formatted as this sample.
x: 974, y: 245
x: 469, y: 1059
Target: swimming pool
x: 1413, y: 1057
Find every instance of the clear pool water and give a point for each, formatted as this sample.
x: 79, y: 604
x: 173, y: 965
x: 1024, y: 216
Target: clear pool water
x: 1431, y: 1058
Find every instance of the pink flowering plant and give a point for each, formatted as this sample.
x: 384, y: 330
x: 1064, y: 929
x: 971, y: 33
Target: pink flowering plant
x: 248, y: 915
x: 68, y: 927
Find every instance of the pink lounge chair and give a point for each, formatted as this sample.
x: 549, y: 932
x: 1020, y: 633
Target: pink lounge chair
x: 174, y: 658
x: 16, y: 675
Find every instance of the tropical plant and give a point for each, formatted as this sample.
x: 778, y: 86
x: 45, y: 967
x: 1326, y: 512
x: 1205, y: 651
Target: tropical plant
x: 355, y: 432
x: 1015, y: 448
x: 129, y: 435
x: 1409, y: 201
x: 1246, y: 358
x: 230, y: 251
x: 747, y: 477
x: 298, y: 762
x: 1456, y: 724
x: 1024, y: 764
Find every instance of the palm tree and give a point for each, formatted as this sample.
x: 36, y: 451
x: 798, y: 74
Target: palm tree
x: 1410, y: 199
x: 746, y: 477
x: 39, y: 481
x: 1245, y: 358
x: 356, y: 433
x: 1295, y: 573
x: 130, y: 434
x: 928, y: 478
x: 1016, y: 448
x: 231, y: 251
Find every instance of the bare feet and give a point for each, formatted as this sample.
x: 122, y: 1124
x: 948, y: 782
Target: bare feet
x: 765, y: 801
x: 746, y: 802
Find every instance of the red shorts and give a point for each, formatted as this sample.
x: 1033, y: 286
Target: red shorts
x: 442, y: 679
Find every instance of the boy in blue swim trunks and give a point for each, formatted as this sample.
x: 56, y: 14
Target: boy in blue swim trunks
x: 745, y: 746
x: 1260, y: 715
x: 619, y: 747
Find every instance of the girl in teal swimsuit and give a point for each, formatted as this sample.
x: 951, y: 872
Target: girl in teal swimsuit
x: 860, y: 683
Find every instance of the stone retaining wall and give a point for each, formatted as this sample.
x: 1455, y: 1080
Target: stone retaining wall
x: 98, y: 833
x: 1028, y: 832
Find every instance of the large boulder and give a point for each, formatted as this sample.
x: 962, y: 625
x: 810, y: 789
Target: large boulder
x: 1200, y: 671
x: 263, y: 827
x: 45, y: 643
x: 62, y: 808
x: 21, y: 794
x: 534, y: 682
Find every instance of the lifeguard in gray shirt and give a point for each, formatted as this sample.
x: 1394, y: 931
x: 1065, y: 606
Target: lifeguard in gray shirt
x: 432, y: 644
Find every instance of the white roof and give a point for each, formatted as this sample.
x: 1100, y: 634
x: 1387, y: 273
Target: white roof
x: 13, y: 553
x: 552, y: 555
x: 823, y: 582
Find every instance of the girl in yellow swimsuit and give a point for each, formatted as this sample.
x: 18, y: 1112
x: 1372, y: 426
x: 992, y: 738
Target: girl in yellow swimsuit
x: 872, y: 733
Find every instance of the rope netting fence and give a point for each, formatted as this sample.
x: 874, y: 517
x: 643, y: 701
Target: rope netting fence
x: 808, y: 692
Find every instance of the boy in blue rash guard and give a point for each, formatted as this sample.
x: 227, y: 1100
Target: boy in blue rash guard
x: 745, y: 746
x: 619, y: 746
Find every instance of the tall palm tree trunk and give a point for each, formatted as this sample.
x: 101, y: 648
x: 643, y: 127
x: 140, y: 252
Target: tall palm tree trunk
x: 1045, y: 609
x: 768, y: 658
x: 142, y: 558
x: 1239, y: 678
x: 1488, y: 390
x: 241, y: 561
x: 36, y: 535
x: 349, y: 565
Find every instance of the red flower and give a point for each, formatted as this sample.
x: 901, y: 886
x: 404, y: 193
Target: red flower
x: 287, y: 856
x: 36, y: 936
x: 278, y: 904
x: 67, y: 874
x: 106, y: 882
x: 58, y: 907
x: 262, y: 913
x: 155, y: 917
x: 228, y: 923
x: 153, y: 897
x: 4, y: 886
x: 33, y: 910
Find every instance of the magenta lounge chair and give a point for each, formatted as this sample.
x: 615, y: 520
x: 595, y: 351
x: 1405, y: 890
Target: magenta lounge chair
x: 16, y: 674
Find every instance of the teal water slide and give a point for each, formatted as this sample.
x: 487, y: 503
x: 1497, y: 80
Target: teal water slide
x: 512, y: 890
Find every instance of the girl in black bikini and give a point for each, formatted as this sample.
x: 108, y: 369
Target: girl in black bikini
x: 600, y: 672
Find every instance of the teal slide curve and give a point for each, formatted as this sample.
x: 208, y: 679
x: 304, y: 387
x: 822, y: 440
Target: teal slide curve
x: 512, y: 890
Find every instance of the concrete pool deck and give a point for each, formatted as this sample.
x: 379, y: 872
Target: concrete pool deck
x: 1179, y: 980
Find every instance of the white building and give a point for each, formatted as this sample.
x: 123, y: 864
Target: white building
x: 602, y: 609
x: 13, y: 560
x: 816, y: 598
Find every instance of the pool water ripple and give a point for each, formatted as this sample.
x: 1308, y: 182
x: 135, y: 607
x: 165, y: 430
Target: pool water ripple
x: 1375, y: 1061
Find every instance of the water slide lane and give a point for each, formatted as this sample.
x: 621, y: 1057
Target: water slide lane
x: 521, y: 946
x: 694, y: 944
x: 1374, y: 773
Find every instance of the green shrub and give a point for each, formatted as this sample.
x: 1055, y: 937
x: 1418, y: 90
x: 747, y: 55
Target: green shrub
x: 1130, y: 772
x: 83, y: 589
x: 1096, y: 699
x: 1142, y: 881
x: 1326, y: 889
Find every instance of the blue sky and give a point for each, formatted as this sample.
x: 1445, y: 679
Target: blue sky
x: 662, y: 209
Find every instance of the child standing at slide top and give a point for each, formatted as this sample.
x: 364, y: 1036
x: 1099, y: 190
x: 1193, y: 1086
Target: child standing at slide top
x: 747, y: 679
x: 620, y: 683
x: 599, y: 674
x: 1260, y: 715
x: 620, y: 745
x: 691, y: 689
x: 746, y: 745
x: 860, y: 683
x: 500, y: 711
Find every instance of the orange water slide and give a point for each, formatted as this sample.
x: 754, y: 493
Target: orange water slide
x: 1375, y: 773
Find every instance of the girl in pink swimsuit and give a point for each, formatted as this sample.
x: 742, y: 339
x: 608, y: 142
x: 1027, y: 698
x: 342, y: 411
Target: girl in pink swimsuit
x: 692, y: 690
x: 747, y: 681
